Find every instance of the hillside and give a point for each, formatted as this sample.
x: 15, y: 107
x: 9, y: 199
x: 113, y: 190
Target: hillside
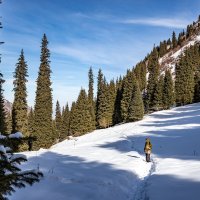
x: 169, y: 60
x: 109, y: 164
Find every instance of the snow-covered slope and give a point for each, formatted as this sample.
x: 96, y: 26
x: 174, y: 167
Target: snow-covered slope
x: 109, y: 164
x: 169, y: 60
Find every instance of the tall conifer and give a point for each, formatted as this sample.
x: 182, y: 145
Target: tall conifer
x: 136, y: 107
x: 65, y: 123
x: 91, y: 97
x: 153, y: 68
x: 127, y: 94
x: 43, y: 101
x: 159, y: 94
x: 58, y: 120
x: 20, y: 107
x: 81, y: 121
x: 2, y: 109
x: 168, y: 90
x: 101, y: 105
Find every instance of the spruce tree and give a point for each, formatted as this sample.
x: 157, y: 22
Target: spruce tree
x: 81, y: 121
x: 101, y: 105
x: 153, y: 68
x: 184, y: 82
x: 2, y: 109
x: 117, y: 106
x: 43, y: 102
x: 31, y: 122
x: 72, y: 120
x: 20, y: 107
x: 65, y: 123
x: 8, y: 123
x: 111, y: 95
x: 168, y: 90
x: 136, y: 107
x: 159, y: 94
x: 58, y: 120
x: 91, y: 97
x: 174, y: 40
x: 140, y: 73
x: 11, y: 176
x: 127, y: 94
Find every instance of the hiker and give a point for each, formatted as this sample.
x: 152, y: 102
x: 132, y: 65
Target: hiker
x: 147, y: 149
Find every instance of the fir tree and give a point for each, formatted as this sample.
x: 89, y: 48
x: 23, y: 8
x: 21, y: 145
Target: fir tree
x: 72, y: 118
x: 153, y: 68
x: 91, y: 97
x: 169, y: 44
x: 140, y: 73
x: 168, y: 90
x: 65, y: 123
x: 127, y: 94
x: 31, y: 122
x: 11, y: 176
x: 58, y: 120
x: 111, y: 95
x: 20, y: 107
x: 136, y: 107
x: 159, y: 94
x: 101, y: 105
x: 184, y: 82
x: 174, y: 40
x: 81, y: 121
x: 8, y: 123
x: 43, y: 102
x: 117, y: 106
x: 2, y: 109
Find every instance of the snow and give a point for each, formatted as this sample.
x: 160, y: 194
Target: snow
x: 2, y: 136
x: 109, y: 164
x: 16, y: 135
x: 2, y: 149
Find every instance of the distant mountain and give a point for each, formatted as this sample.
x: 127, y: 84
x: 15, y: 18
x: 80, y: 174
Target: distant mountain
x: 8, y: 106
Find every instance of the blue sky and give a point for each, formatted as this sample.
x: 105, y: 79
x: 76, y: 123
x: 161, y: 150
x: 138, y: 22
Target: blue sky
x: 109, y: 34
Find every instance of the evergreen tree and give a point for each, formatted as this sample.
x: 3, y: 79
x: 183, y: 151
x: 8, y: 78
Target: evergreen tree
x: 65, y: 123
x: 101, y: 105
x: 163, y: 48
x: 91, y: 97
x: 117, y: 106
x: 31, y: 122
x: 174, y: 40
x: 8, y: 123
x: 20, y: 107
x: 72, y: 118
x: 184, y: 82
x: 140, y: 73
x: 159, y: 94
x: 11, y: 176
x: 169, y: 44
x: 127, y: 94
x: 43, y: 102
x: 136, y: 107
x: 58, y: 120
x: 168, y: 90
x: 153, y: 68
x: 2, y: 109
x: 111, y: 95
x: 81, y: 121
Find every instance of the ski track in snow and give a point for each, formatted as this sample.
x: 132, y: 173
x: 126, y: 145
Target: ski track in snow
x: 109, y: 164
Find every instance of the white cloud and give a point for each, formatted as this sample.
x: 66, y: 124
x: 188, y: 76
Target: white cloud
x: 161, y: 22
